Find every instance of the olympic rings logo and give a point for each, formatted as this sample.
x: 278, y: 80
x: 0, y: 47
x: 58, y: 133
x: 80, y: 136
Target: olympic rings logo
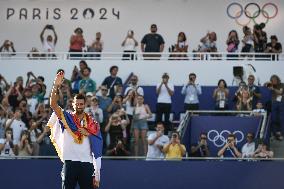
x: 220, y: 140
x: 251, y: 15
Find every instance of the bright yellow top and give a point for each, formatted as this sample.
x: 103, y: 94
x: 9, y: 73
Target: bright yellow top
x: 174, y: 152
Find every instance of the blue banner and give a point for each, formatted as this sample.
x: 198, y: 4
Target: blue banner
x: 219, y: 127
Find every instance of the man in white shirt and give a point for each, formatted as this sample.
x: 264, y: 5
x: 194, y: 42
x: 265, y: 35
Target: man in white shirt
x: 156, y: 142
x: 165, y: 91
x: 134, y: 86
x: 17, y: 125
x: 78, y: 141
x: 249, y: 147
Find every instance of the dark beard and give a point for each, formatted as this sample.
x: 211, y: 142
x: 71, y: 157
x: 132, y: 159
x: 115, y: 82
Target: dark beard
x: 79, y: 112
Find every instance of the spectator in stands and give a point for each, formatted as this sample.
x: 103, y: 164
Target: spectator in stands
x: 230, y: 149
x: 4, y: 86
x: 253, y: 90
x: 104, y: 103
x: 116, y: 129
x: 181, y: 46
x: 232, y: 44
x: 3, y: 119
x: 34, y: 54
x: 87, y: 84
x: 277, y: 108
x: 34, y: 134
x: 129, y: 45
x: 133, y: 85
x: 96, y: 47
x: 118, y: 149
x: 152, y: 42
x: 37, y: 86
x: 174, y: 150
x: 274, y: 47
x: 25, y: 144
x: 46, y: 147
x: 191, y: 90
x: 115, y: 105
x: 17, y: 125
x: 249, y: 147
x: 64, y: 93
x: 232, y: 41
x: 245, y: 101
x: 164, y: 90
x: 263, y: 151
x: 208, y: 42
x: 221, y: 95
x: 156, y: 142
x: 141, y: 114
x: 259, y: 109
x: 31, y: 102
x: 200, y: 149
x: 77, y: 75
x: 7, y: 146
x: 247, y: 40
x: 77, y: 42
x: 95, y: 111
x: 50, y: 42
x: 26, y: 114
x: 259, y: 37
x: 112, y: 80
x: 14, y: 94
x: 7, y: 49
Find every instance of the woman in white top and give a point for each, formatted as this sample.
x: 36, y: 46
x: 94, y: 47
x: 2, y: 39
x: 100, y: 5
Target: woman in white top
x: 142, y: 112
x: 49, y: 43
x: 221, y: 95
x: 129, y: 46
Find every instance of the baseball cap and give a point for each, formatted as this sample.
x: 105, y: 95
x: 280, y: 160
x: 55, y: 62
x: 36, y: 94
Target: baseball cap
x: 89, y: 94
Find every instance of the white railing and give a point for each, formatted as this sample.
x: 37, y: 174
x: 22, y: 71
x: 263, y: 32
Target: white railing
x: 196, y: 56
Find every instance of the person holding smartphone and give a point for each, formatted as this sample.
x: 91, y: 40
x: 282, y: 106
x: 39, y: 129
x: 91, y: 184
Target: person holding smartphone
x: 230, y: 149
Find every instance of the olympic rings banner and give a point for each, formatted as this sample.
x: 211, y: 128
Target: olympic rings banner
x: 255, y: 13
x: 219, y: 127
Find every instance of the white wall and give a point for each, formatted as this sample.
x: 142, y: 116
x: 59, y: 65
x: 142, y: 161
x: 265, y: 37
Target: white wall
x: 149, y: 72
x: 194, y: 17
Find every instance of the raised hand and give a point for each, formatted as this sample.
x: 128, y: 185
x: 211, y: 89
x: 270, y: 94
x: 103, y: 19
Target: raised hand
x: 59, y: 79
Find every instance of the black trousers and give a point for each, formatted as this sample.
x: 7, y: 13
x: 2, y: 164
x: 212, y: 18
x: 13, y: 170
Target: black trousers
x: 74, y: 172
x: 164, y: 108
x: 191, y: 107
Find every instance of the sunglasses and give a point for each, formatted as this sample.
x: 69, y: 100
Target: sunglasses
x: 104, y: 89
x: 205, y: 138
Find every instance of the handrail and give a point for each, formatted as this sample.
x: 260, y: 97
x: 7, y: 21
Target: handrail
x: 145, y: 158
x: 196, y: 56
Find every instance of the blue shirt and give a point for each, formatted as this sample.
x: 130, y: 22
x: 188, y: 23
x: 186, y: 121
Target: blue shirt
x: 191, y: 93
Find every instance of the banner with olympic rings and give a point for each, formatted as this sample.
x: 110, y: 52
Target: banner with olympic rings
x: 250, y: 12
x: 219, y: 127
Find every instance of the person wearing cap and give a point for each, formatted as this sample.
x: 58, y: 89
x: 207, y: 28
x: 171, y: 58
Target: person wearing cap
x: 77, y: 42
x: 152, y: 42
x: 164, y: 90
x: 94, y: 110
x: 87, y: 84
x: 274, y: 47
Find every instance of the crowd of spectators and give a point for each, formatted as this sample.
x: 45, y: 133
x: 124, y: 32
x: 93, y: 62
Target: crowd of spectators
x: 254, y: 40
x: 121, y: 112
